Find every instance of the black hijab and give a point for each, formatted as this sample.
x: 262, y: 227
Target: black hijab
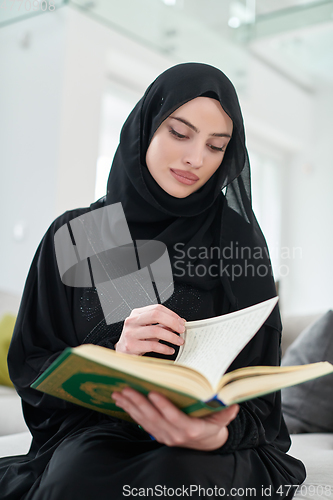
x: 207, y: 217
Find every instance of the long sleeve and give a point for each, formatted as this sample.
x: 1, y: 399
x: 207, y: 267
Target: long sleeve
x: 243, y: 433
x: 48, y: 321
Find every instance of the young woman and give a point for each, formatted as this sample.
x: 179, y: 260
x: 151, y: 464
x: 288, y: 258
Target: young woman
x: 182, y: 174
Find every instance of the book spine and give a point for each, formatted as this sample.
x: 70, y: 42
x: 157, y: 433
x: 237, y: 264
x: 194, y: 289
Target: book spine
x: 213, y: 404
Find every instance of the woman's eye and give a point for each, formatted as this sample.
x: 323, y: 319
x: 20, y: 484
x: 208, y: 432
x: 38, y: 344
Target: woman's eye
x: 181, y: 136
x: 215, y: 148
x: 176, y: 134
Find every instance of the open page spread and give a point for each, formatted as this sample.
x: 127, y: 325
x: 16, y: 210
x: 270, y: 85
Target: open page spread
x: 212, y: 344
x: 247, y: 388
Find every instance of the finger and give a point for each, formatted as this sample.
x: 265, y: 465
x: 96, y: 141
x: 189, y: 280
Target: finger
x: 166, y: 310
x: 157, y: 314
x: 141, y: 346
x: 140, y: 409
x: 168, y: 410
x: 159, y: 332
x: 133, y: 409
x: 184, y: 430
x: 139, y: 399
x: 150, y: 412
x: 166, y: 327
x: 132, y: 397
x: 169, y: 425
x: 154, y: 346
x: 151, y: 335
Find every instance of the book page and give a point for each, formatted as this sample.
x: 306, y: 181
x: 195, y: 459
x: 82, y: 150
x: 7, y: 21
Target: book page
x: 252, y: 387
x: 212, y: 344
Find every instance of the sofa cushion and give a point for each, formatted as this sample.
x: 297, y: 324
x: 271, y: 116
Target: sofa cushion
x: 308, y: 407
x: 293, y: 326
x: 15, y: 444
x: 316, y: 452
x: 7, y: 323
x: 11, y: 416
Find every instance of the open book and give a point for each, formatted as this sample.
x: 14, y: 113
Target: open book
x: 196, y: 381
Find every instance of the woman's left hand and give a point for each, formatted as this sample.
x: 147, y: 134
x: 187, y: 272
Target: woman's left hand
x: 170, y: 426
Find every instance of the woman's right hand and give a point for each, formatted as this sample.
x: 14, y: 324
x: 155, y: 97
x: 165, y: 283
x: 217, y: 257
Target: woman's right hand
x: 145, y: 326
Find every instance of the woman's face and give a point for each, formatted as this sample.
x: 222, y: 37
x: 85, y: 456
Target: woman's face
x: 188, y: 147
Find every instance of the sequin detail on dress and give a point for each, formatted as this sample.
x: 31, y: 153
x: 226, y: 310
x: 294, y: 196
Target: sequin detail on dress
x: 90, y: 306
x: 186, y: 301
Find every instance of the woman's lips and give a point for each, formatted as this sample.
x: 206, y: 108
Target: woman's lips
x: 184, y: 177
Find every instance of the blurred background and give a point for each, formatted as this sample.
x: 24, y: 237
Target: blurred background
x: 71, y: 71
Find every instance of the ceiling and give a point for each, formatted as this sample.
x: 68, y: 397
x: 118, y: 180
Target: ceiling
x: 295, y: 37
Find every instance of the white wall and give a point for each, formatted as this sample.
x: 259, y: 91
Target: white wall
x: 281, y: 119
x: 308, y: 215
x: 94, y: 56
x: 80, y: 94
x: 31, y: 66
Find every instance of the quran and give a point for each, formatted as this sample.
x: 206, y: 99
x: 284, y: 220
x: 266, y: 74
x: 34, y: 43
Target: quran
x: 196, y: 382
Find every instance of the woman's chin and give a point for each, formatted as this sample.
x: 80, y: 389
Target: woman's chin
x: 179, y: 191
x: 179, y: 195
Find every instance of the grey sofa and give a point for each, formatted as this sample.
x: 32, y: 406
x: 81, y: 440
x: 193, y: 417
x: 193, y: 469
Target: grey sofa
x: 11, y: 418
x: 315, y: 450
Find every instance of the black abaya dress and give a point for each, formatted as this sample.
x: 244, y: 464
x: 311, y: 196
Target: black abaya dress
x: 79, y: 454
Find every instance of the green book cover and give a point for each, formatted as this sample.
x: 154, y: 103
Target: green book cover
x: 84, y: 382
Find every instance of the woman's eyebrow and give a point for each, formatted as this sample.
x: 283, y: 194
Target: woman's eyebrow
x: 190, y: 125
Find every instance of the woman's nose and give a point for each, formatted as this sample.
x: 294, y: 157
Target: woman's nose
x: 194, y: 155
